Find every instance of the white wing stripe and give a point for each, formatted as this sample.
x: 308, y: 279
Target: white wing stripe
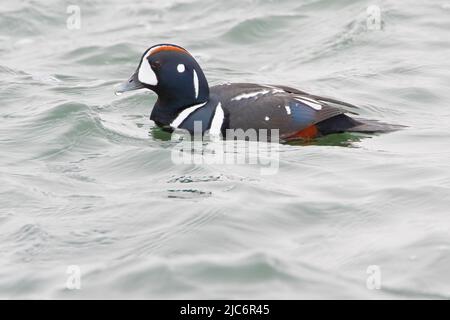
x: 309, y: 102
x: 250, y: 95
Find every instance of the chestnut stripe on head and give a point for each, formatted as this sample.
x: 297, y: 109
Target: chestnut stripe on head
x: 166, y: 48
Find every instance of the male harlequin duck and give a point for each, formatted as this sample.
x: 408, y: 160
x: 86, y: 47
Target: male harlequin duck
x: 184, y: 97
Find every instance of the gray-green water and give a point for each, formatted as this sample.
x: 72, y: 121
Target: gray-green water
x: 85, y: 179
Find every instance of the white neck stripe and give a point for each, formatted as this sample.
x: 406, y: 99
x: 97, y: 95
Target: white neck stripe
x: 184, y: 114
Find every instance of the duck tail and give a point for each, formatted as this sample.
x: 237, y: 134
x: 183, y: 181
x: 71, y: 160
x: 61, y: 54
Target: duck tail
x: 344, y: 123
x: 373, y: 126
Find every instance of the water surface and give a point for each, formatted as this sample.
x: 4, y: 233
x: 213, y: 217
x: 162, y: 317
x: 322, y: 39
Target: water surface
x: 86, y: 179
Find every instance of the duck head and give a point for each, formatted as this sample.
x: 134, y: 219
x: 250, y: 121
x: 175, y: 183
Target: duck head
x: 174, y: 75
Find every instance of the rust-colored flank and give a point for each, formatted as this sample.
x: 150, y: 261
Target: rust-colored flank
x: 310, y: 132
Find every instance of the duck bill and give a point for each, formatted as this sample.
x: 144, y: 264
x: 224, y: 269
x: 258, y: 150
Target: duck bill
x: 131, y: 84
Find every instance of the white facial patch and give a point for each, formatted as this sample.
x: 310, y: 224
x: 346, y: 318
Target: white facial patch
x: 181, y: 68
x: 195, y: 84
x: 146, y: 74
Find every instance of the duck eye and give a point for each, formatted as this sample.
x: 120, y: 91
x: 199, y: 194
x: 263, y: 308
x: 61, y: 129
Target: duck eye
x: 155, y: 64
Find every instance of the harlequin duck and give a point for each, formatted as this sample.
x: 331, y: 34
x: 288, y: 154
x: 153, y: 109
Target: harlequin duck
x: 185, y: 99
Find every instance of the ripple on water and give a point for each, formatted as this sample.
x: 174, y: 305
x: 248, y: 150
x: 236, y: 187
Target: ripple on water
x: 96, y: 55
x: 214, y: 277
x: 259, y: 29
x: 37, y: 17
x: 87, y: 178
